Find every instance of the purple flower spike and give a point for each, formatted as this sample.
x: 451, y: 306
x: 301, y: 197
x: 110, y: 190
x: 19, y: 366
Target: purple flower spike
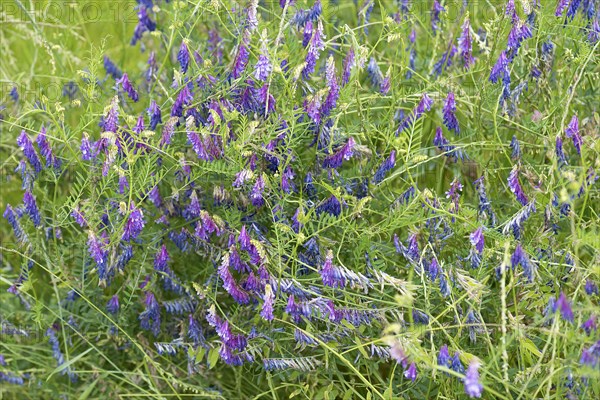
x: 128, y: 87
x: 183, y: 56
x: 449, y: 114
x: 150, y: 317
x: 88, y: 150
x: 515, y: 186
x: 477, y: 239
x: 46, y: 150
x: 267, y: 308
x: 31, y: 208
x: 560, y: 154
x: 385, y: 166
x: 444, y: 356
x: 155, y: 115
x: 27, y: 147
x: 349, y: 63
x: 330, y: 274
x: 561, y: 6
x: 184, y: 98
x: 472, y: 386
x: 564, y: 306
x: 411, y: 372
x: 134, y: 225
x: 344, y: 153
x: 591, y: 288
x: 572, y: 132
x: 256, y: 195
x: 263, y: 67
x: 113, y: 305
x: 500, y: 69
x: 241, y: 58
x: 435, y: 16
x: 11, y: 216
x: 465, y: 45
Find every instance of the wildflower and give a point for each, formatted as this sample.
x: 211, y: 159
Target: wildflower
x: 435, y: 16
x: 154, y: 114
x: 88, y: 151
x: 128, y: 87
x: 14, y: 94
x: 78, y: 216
x: 443, y: 357
x: 97, y: 248
x: 241, y: 57
x: 591, y: 356
x: 590, y: 287
x: 472, y: 386
x: 519, y: 257
x: 385, y: 166
x: 31, y: 208
x: 445, y: 60
x: 564, y: 306
x: 477, y: 239
x: 349, y: 63
x: 456, y: 365
x: 465, y: 46
x: 334, y: 89
x: 589, y: 325
x: 344, y: 153
x: 572, y: 132
x: 58, y: 355
x: 330, y: 274
x: 263, y: 67
x: 27, y: 147
x: 134, y: 225
x: 184, y: 98
x: 183, y: 56
x: 515, y: 147
x: 110, y: 123
x: 145, y: 24
x: 150, y: 317
x: 449, y: 114
x: 454, y: 195
x: 256, y: 196
x: 111, y: 68
x: 500, y: 68
x: 331, y: 206
x: 11, y: 216
x: 515, y: 186
x: 316, y: 46
x: 560, y: 154
x: 113, y: 305
x: 374, y: 72
x: 287, y: 177
x: 411, y: 372
x: 267, y: 308
x: 46, y: 151
x: 229, y: 283
x: 516, y: 223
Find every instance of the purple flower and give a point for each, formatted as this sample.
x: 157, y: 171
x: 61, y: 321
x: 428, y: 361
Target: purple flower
x: 58, y: 355
x: 443, y: 357
x: 385, y: 166
x: 515, y: 147
x: 330, y: 274
x: 123, y: 184
x: 31, y: 208
x: 477, y: 239
x: 11, y: 216
x: 183, y: 56
x: 519, y: 257
x: 241, y: 57
x: 78, y: 216
x: 349, y: 63
x: 334, y: 89
x: 331, y: 206
x: 572, y: 132
x: 500, y: 69
x: 267, y: 308
x: 128, y: 87
x: 465, y: 47
x: 184, y: 98
x: 161, y: 259
x: 263, y: 67
x: 229, y: 283
x: 150, y: 317
x: 561, y: 7
x: 454, y: 195
x: 256, y: 195
x: 134, y: 225
x: 411, y: 372
x: 14, y: 94
x: 145, y: 24
x: 344, y: 153
x: 46, y: 151
x: 111, y: 68
x: 287, y: 177
x: 590, y: 325
x: 435, y: 16
x: 591, y: 356
x: 591, y: 288
x: 472, y: 386
x: 316, y: 46
x: 564, y: 305
x: 98, y: 249
x: 560, y: 154
x: 312, y: 107
x: 27, y: 147
x: 154, y: 114
x: 110, y: 123
x: 456, y: 365
x: 515, y: 186
x: 449, y: 114
x: 374, y: 72
x: 113, y: 305
x: 88, y: 151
